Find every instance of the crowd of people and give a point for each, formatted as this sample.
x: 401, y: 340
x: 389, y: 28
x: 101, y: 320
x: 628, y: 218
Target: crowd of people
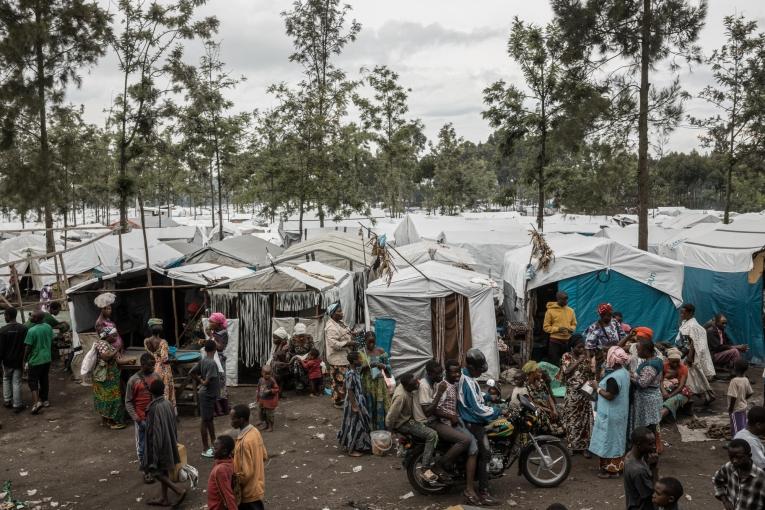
x: 619, y: 386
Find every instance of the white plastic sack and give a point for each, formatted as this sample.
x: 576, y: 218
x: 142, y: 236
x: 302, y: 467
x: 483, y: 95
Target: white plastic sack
x: 89, y: 361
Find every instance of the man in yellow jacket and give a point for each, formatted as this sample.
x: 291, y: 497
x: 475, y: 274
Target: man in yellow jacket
x: 249, y: 460
x: 560, y: 324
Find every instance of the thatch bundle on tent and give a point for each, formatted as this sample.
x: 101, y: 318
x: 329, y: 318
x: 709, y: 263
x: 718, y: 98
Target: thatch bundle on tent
x: 279, y: 296
x: 440, y: 312
x: 174, y: 290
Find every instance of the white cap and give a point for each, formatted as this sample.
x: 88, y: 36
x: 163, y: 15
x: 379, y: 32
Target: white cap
x: 281, y: 333
x: 491, y: 383
x: 300, y: 329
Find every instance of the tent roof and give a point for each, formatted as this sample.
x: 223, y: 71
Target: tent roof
x: 576, y: 255
x: 441, y: 278
x: 717, y: 247
x: 424, y: 251
x: 247, y: 249
x: 629, y: 234
x: 196, y: 274
x: 688, y: 219
x: 302, y: 277
x: 334, y: 244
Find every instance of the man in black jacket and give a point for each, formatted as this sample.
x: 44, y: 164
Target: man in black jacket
x: 12, y: 356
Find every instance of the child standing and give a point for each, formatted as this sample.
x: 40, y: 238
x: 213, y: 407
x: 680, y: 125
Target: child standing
x: 220, y: 489
x: 667, y: 493
x: 739, y: 392
x: 312, y: 365
x: 205, y: 373
x: 268, y: 398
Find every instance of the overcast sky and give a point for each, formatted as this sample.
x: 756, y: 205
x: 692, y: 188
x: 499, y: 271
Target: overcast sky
x: 446, y: 51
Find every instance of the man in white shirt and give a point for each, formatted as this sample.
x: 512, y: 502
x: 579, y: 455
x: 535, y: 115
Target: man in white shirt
x: 755, y: 427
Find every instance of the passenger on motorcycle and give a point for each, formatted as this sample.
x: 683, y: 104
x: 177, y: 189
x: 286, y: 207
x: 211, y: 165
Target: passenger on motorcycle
x: 446, y: 421
x: 476, y: 415
x: 401, y: 419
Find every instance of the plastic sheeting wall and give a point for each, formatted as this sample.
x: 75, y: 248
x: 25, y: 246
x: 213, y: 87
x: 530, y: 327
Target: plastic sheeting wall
x: 731, y: 294
x: 411, y: 348
x: 641, y: 304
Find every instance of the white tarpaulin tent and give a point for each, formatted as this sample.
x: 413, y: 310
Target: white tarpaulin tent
x: 29, y: 248
x: 629, y: 235
x: 409, y: 300
x: 423, y: 251
x: 103, y: 255
x: 577, y: 255
x: 488, y: 247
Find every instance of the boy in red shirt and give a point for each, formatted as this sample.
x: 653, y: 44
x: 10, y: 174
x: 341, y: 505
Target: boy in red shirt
x: 220, y: 487
x: 268, y: 398
x: 312, y: 365
x: 137, y: 400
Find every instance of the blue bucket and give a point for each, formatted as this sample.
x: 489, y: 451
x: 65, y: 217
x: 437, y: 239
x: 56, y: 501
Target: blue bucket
x: 385, y: 327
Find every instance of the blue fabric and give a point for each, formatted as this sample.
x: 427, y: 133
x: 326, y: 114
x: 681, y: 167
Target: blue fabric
x: 641, y: 304
x: 729, y: 293
x: 609, y: 432
x: 385, y: 327
x: 470, y: 405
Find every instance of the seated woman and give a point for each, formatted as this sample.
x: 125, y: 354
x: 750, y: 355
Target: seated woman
x: 540, y: 395
x: 299, y: 346
x: 674, y: 389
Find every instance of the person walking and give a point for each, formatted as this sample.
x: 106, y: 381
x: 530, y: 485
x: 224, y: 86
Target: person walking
x: 38, y: 341
x: 692, y: 342
x: 137, y: 399
x: 560, y: 324
x: 250, y: 456
x: 161, y: 455
x: 12, y: 337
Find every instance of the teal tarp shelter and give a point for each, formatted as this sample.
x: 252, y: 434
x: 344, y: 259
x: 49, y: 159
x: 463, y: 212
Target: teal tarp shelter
x: 723, y: 274
x: 647, y: 288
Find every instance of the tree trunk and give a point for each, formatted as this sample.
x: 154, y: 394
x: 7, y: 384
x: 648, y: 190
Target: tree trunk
x: 643, y: 176
x: 728, y: 190
x: 212, y: 195
x: 146, y: 254
x: 44, y: 158
x: 220, y: 189
x: 541, y: 178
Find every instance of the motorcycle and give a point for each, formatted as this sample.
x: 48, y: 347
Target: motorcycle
x: 544, y: 460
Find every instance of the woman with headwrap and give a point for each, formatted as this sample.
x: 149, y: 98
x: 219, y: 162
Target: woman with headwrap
x: 280, y: 358
x: 374, y: 364
x: 647, y: 400
x: 609, y: 431
x: 216, y: 331
x: 674, y: 389
x: 107, y: 397
x: 631, y: 342
x: 605, y: 332
x: 538, y: 387
x: 339, y: 342
x: 300, y: 345
x: 576, y: 371
x: 104, y: 302
x: 158, y: 348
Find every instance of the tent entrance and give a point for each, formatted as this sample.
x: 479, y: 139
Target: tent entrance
x: 450, y: 327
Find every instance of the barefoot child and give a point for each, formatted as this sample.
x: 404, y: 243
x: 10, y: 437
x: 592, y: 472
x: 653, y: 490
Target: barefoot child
x: 312, y: 365
x: 268, y: 398
x: 739, y: 392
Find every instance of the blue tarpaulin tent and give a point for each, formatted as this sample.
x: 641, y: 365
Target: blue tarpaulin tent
x: 721, y: 276
x: 641, y: 304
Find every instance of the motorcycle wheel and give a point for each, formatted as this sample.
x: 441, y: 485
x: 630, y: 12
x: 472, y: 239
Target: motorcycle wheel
x: 535, y: 471
x: 416, y: 481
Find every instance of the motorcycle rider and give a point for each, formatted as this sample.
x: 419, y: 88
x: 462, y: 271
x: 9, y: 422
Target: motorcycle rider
x: 446, y: 421
x: 476, y: 415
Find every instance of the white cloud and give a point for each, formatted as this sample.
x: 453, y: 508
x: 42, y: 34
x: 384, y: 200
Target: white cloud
x: 446, y: 51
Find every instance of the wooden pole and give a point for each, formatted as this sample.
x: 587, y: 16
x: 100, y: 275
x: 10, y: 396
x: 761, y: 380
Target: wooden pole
x: 175, y: 312
x: 146, y: 254
x: 15, y: 276
x: 119, y: 240
x: 66, y: 281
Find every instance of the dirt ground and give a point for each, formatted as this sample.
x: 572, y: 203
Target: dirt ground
x: 62, y: 458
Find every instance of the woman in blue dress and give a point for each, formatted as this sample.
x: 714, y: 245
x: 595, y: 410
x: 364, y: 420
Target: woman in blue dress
x: 609, y: 432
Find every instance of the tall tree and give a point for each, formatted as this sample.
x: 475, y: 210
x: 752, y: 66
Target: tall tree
x: 147, y: 41
x: 632, y: 37
x: 320, y: 31
x: 557, y: 102
x: 205, y: 118
x: 399, y: 141
x: 735, y: 68
x: 43, y: 46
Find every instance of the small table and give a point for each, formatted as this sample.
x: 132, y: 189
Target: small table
x: 183, y: 382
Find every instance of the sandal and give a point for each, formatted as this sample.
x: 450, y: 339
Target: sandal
x: 472, y: 500
x: 37, y: 408
x: 117, y: 426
